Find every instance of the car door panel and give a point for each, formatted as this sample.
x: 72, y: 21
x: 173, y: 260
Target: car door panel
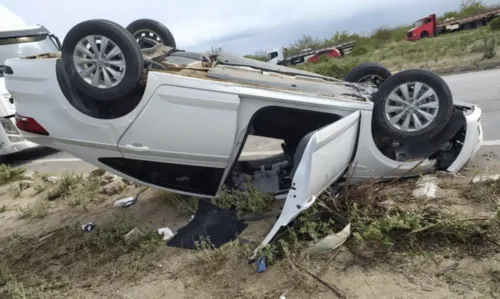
x: 325, y: 158
x: 182, y: 140
x: 185, y: 126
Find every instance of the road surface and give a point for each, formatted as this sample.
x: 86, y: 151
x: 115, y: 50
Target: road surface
x: 481, y: 88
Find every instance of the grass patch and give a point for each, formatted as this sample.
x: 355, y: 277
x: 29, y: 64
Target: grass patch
x: 404, y: 225
x: 31, y: 264
x: 74, y: 189
x: 39, y: 210
x: 8, y: 174
x: 249, y: 201
x: 482, y: 191
x: 185, y: 205
x: 64, y: 186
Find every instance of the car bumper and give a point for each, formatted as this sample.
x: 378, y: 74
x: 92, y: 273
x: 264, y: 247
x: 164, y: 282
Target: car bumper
x: 473, y: 140
x: 10, y: 144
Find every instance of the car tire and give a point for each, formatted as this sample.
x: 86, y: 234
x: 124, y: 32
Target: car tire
x: 425, y: 122
x: 368, y: 72
x: 117, y: 77
x: 158, y: 32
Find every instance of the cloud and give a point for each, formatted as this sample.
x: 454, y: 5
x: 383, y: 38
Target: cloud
x: 238, y: 25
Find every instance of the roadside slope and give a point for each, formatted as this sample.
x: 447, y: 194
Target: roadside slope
x: 449, y: 53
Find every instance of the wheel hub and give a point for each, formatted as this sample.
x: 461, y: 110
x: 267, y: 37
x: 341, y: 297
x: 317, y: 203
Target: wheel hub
x: 99, y: 61
x: 411, y: 107
x: 371, y: 79
x: 147, y: 38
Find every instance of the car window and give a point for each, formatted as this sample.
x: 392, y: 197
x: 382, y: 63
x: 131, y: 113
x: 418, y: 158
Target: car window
x: 21, y: 46
x: 271, y: 55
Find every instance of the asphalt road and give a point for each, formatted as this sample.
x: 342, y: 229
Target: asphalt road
x: 481, y: 88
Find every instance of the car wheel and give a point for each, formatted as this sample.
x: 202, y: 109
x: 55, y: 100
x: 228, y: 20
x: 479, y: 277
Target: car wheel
x: 149, y: 33
x: 412, y: 104
x: 103, y: 59
x: 368, y: 72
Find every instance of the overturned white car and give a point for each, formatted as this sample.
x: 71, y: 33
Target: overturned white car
x: 128, y: 101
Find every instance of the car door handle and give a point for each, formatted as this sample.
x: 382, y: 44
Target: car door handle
x: 136, y: 147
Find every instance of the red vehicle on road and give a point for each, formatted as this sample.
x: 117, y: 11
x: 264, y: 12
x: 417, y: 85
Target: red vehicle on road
x: 428, y: 26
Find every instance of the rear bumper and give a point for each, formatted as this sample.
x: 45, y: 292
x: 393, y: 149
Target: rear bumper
x: 473, y: 140
x: 11, y: 139
x: 8, y: 147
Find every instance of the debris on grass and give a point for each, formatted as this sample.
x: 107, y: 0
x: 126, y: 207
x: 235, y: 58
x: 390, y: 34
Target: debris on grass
x: 117, y: 249
x: 426, y: 187
x: 125, y: 202
x: 166, y: 233
x: 331, y: 242
x: 219, y: 225
x: 261, y: 264
x: 88, y: 227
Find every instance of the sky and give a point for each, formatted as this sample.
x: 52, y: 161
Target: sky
x: 241, y: 27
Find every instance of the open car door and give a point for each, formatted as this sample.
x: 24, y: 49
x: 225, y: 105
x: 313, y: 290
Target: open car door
x: 321, y: 158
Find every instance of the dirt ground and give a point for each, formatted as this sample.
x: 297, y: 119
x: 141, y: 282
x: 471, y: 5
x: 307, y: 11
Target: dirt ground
x: 46, y: 254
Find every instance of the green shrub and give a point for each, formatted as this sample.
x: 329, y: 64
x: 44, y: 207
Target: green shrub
x: 489, y: 48
x: 495, y: 24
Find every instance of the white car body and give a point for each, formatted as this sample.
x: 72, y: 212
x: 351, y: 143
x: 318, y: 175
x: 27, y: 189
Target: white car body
x: 19, y: 40
x: 190, y: 122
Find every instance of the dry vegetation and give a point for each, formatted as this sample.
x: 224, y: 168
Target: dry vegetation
x: 446, y: 247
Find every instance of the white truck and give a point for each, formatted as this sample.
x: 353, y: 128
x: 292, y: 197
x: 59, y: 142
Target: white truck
x: 280, y: 57
x: 17, y: 39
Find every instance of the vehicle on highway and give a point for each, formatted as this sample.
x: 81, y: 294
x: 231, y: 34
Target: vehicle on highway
x: 128, y: 101
x: 280, y: 56
x: 17, y: 40
x: 429, y: 26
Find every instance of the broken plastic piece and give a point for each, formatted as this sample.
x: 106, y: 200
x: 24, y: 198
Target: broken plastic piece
x: 331, y: 242
x: 210, y: 223
x: 166, y: 233
x: 88, y: 227
x: 261, y: 264
x: 133, y: 235
x: 125, y: 202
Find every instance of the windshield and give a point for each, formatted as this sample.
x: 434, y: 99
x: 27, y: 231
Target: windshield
x: 418, y: 23
x: 14, y: 47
